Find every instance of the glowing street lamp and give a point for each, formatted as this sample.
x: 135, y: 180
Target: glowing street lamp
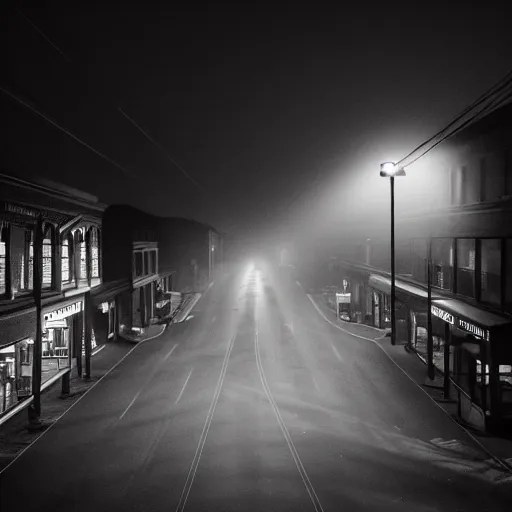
x: 390, y: 170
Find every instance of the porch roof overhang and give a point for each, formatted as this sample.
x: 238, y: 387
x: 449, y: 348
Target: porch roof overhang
x: 383, y: 284
x: 107, y: 291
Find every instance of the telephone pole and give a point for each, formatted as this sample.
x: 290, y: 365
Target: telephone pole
x: 34, y: 410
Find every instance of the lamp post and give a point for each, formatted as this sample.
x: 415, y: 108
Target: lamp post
x: 390, y: 170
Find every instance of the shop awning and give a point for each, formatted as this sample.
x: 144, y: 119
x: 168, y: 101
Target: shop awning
x: 108, y: 291
x: 383, y: 284
x: 479, y: 316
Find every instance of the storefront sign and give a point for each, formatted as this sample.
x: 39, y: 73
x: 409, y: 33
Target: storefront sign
x: 477, y: 331
x: 62, y: 313
x: 443, y: 315
x: 20, y: 210
x: 343, y: 298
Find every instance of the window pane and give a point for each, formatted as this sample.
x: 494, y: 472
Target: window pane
x: 2, y: 267
x: 47, y: 262
x: 95, y: 270
x: 153, y: 261
x: 465, y: 266
x: 83, y: 260
x: 442, y: 262
x: 147, y: 264
x: 31, y: 266
x: 490, y: 282
x: 137, y: 263
x: 65, y: 261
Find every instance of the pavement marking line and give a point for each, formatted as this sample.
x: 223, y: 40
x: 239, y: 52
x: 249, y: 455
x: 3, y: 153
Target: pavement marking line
x: 202, y: 440
x: 502, y: 464
x: 169, y: 353
x: 129, y: 405
x: 184, y: 385
x: 336, y: 352
x: 305, y: 478
x: 87, y: 391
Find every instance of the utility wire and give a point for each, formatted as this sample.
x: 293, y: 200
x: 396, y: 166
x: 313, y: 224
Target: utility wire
x: 504, y: 83
x: 471, y: 120
x: 42, y: 34
x: 67, y: 132
x: 185, y: 173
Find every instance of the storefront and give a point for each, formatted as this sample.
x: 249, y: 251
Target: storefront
x: 15, y: 373
x: 479, y: 362
x: 62, y: 338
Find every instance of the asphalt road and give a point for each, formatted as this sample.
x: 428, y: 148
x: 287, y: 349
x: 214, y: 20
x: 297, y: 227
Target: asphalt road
x: 255, y: 403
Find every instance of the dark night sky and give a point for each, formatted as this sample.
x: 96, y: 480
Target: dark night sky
x: 257, y: 104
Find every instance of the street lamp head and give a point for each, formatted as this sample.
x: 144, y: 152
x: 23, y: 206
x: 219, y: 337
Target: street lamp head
x: 390, y: 169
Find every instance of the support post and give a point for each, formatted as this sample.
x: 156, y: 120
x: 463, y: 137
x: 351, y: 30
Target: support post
x: 393, y: 290
x: 430, y: 343
x: 34, y: 410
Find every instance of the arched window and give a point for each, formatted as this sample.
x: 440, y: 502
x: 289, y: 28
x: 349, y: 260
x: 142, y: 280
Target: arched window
x: 95, y: 257
x: 47, y: 253
x: 67, y: 267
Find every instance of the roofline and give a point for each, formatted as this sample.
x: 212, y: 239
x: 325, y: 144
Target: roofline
x: 93, y: 203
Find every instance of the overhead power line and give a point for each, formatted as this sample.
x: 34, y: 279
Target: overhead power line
x: 185, y: 173
x: 132, y: 121
x: 497, y: 95
x: 67, y: 132
x: 42, y: 34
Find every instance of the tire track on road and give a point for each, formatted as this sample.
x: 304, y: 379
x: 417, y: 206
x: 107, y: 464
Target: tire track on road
x: 204, y: 434
x: 302, y: 471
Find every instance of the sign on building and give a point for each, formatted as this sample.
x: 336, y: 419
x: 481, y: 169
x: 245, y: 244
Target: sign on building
x: 64, y: 312
x: 443, y: 315
x: 473, y: 329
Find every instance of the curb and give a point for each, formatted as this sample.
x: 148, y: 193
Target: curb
x: 499, y: 461
x: 184, y: 310
x: 136, y: 342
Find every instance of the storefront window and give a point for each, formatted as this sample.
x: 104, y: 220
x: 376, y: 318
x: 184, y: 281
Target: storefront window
x: 56, y: 347
x: 15, y: 373
x: 490, y: 282
x: 482, y: 372
x: 94, y: 344
x: 505, y: 381
x: 30, y: 268
x: 466, y: 266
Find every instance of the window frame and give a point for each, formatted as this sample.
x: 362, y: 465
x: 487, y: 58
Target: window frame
x: 479, y: 284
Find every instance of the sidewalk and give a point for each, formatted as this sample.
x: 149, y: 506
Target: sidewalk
x: 415, y: 368
x: 14, y: 436
x: 358, y: 330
